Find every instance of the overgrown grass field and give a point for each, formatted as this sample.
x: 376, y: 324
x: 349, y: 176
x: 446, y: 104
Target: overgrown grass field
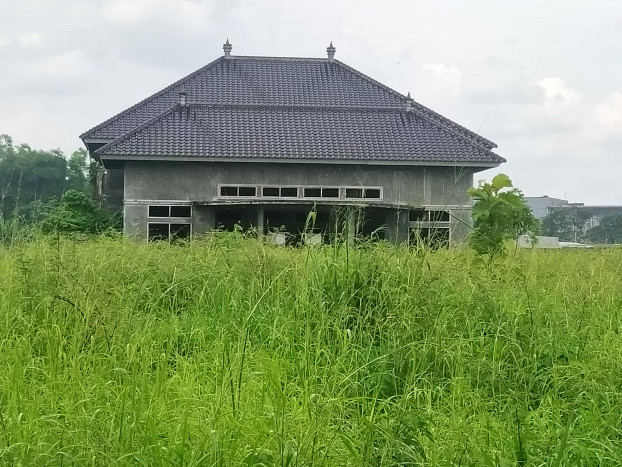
x: 231, y: 352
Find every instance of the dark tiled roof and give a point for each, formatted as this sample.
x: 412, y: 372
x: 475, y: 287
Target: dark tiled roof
x: 299, y: 132
x: 271, y: 81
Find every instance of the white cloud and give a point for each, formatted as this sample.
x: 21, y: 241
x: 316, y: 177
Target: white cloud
x: 498, y: 81
x: 608, y: 115
x: 557, y: 91
x: 133, y: 13
x: 31, y: 40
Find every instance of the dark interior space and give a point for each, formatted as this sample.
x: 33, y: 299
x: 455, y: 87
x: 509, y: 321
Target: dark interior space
x: 433, y: 238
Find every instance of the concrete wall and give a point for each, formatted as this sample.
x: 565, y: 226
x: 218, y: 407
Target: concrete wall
x: 197, y: 182
x: 540, y: 204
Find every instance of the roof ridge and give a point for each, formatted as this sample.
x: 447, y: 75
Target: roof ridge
x: 148, y: 98
x: 319, y: 59
x: 299, y: 106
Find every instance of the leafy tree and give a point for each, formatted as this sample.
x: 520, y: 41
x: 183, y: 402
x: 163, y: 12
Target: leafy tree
x: 567, y: 223
x: 609, y: 230
x: 499, y: 214
x: 77, y: 171
x: 27, y: 175
x: 76, y: 212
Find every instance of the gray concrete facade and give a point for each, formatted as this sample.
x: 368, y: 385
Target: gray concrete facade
x: 149, y: 183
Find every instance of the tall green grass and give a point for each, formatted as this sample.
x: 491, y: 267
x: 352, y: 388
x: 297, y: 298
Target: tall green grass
x: 231, y: 352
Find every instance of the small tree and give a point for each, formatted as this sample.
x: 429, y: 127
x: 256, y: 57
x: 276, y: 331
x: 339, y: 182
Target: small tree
x: 77, y: 213
x: 608, y: 230
x: 569, y: 223
x: 499, y: 214
x: 77, y: 171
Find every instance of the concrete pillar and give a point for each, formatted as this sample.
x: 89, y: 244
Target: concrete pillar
x: 397, y: 226
x: 351, y: 213
x: 203, y: 219
x: 260, y: 220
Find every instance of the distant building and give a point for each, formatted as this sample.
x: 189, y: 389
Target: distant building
x: 570, y: 221
x: 540, y: 204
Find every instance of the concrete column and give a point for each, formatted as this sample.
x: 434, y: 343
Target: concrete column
x: 397, y: 226
x: 260, y: 220
x: 203, y: 219
x: 351, y: 225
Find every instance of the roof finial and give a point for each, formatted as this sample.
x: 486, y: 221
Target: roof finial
x: 330, y: 50
x: 409, y: 102
x: 183, y: 97
x: 227, y: 48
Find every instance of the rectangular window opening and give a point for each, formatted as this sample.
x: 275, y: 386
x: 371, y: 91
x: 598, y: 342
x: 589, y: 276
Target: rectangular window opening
x: 270, y: 192
x: 416, y: 215
x: 158, y: 232
x: 159, y: 211
x: 228, y: 191
x: 289, y: 192
x: 313, y: 193
x: 180, y: 231
x: 330, y: 192
x: 439, y: 216
x: 247, y: 191
x: 181, y: 211
x: 372, y: 193
x: 354, y: 192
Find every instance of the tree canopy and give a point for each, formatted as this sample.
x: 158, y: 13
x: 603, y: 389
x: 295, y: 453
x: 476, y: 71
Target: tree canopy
x: 28, y: 175
x: 499, y: 214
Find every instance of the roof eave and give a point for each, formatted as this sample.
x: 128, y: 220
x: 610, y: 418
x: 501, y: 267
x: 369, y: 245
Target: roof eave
x: 403, y: 162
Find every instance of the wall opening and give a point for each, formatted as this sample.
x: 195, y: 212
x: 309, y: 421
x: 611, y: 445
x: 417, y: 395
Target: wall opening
x: 166, y: 232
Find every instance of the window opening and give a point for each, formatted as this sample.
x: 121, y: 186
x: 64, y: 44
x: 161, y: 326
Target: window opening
x: 333, y: 192
x: 247, y: 191
x: 228, y: 191
x: 159, y: 211
x: 354, y: 192
x: 158, y: 231
x: 330, y: 192
x: 180, y: 231
x: 416, y: 215
x: 289, y: 192
x: 170, y: 211
x: 312, y: 192
x: 162, y: 231
x: 270, y: 191
x: 373, y: 193
x: 181, y: 211
x: 439, y: 216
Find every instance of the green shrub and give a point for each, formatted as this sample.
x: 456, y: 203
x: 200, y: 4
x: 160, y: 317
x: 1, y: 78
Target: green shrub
x: 499, y: 215
x: 77, y: 213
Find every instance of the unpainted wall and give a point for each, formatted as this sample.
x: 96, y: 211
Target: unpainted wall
x: 197, y: 182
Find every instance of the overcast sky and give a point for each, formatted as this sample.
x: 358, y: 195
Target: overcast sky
x: 542, y: 79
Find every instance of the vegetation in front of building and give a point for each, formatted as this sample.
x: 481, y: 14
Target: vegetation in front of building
x: 499, y: 214
x: 228, y: 351
x: 43, y: 191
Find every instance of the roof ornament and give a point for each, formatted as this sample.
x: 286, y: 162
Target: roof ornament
x: 409, y: 103
x: 227, y: 48
x: 183, y: 97
x: 330, y: 50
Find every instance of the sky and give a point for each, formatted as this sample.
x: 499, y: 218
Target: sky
x: 542, y: 79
